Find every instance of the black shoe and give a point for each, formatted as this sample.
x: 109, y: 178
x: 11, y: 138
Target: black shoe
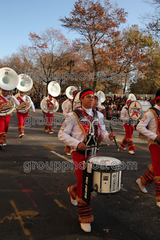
x: 0, y: 146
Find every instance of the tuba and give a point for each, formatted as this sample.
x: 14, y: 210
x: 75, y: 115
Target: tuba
x: 25, y: 84
x: 8, y: 81
x: 54, y: 90
x: 70, y: 92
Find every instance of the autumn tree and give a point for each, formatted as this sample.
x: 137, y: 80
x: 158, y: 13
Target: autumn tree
x: 49, y: 49
x: 152, y: 20
x: 96, y: 24
x: 128, y: 53
x: 151, y: 81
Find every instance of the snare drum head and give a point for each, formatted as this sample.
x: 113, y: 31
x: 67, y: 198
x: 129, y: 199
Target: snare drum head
x: 104, y: 161
x: 135, y: 110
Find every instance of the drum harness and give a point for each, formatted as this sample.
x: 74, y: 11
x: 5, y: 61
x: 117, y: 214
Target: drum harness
x: 92, y: 137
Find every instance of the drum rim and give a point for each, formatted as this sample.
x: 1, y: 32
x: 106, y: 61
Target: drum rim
x: 104, y: 157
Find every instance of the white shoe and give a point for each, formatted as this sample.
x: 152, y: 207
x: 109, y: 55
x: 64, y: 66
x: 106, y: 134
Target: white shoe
x: 141, y: 186
x: 131, y: 152
x: 69, y: 154
x: 158, y: 204
x: 73, y: 201
x: 4, y: 144
x: 46, y: 130
x: 86, y: 227
x: 122, y: 147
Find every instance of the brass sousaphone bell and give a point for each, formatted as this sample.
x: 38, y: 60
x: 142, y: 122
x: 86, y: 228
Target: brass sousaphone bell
x: 54, y: 90
x: 8, y: 81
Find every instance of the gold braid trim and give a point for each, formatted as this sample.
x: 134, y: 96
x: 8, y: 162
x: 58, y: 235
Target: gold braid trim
x: 85, y: 137
x: 150, y: 168
x: 157, y: 179
x: 158, y: 199
x: 80, y: 200
x: 86, y: 220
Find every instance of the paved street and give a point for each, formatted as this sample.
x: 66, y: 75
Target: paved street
x: 35, y: 173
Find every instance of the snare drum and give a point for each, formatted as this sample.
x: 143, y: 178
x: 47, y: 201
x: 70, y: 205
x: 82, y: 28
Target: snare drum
x: 106, y: 174
x: 137, y: 108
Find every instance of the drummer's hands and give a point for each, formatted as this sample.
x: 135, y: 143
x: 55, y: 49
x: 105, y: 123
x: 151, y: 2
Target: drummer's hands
x: 112, y: 135
x: 81, y: 146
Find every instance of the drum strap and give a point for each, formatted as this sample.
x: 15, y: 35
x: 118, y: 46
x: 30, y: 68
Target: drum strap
x: 156, y: 110
x: 90, y: 139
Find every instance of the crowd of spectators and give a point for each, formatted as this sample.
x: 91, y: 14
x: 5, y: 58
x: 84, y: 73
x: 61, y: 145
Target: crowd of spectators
x: 112, y: 104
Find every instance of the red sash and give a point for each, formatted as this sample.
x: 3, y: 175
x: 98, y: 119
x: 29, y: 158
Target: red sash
x: 20, y: 99
x: 49, y: 103
x: 2, y: 100
x: 86, y: 125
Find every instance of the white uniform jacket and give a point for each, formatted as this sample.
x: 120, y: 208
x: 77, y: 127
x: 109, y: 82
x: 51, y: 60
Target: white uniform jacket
x: 67, y: 108
x: 147, y: 125
x: 71, y: 133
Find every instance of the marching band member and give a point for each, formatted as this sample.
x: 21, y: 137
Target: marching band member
x: 75, y: 133
x: 22, y: 116
x: 149, y: 128
x: 129, y: 128
x: 25, y: 84
x: 49, y: 105
x: 67, y: 107
x: 70, y: 93
x: 5, y: 98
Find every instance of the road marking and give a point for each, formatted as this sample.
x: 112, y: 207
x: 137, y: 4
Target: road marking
x: 51, y: 147
x: 18, y: 216
x: 59, y: 204
x: 59, y: 155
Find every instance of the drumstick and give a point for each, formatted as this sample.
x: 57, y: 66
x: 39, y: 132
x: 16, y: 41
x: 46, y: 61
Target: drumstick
x: 114, y: 139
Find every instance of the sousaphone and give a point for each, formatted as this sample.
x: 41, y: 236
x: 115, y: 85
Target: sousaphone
x: 54, y: 90
x: 8, y: 81
x: 25, y: 84
x: 70, y: 95
x: 69, y: 92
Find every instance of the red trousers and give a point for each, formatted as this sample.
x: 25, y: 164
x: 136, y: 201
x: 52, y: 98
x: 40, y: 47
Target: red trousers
x: 128, y: 138
x: 49, y: 118
x: 153, y: 171
x: 4, y: 125
x: 85, y: 210
x: 22, y: 117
